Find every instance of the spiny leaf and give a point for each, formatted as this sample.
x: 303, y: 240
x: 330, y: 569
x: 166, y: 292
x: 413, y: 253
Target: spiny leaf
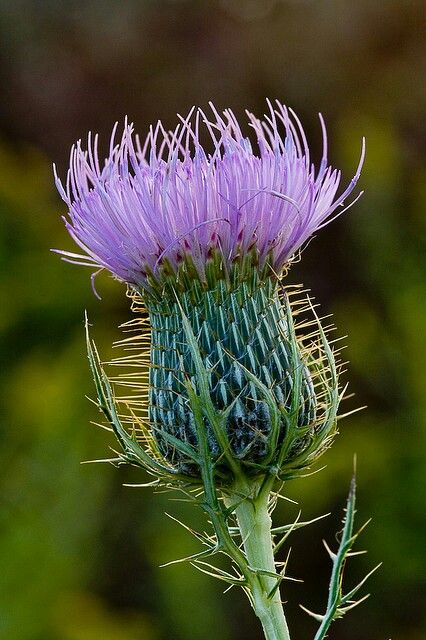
x: 338, y: 604
x: 133, y: 451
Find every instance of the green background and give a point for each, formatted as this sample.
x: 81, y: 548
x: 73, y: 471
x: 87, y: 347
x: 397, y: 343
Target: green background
x: 80, y: 553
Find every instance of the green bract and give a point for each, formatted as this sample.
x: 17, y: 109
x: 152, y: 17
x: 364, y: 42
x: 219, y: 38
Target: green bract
x: 242, y: 356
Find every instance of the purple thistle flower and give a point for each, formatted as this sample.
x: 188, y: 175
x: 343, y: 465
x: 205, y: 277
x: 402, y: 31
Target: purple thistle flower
x: 168, y: 199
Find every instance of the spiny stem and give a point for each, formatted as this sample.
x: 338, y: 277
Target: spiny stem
x: 255, y: 525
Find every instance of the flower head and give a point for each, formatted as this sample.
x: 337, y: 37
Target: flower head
x: 230, y: 367
x: 153, y: 206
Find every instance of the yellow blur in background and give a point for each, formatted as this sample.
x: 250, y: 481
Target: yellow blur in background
x: 80, y: 553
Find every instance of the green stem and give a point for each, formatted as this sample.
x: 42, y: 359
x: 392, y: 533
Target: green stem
x: 255, y: 524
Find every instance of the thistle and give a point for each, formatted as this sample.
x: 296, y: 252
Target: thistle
x: 234, y: 385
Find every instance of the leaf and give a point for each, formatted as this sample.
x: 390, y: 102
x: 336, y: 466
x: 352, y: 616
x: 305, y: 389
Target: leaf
x: 338, y: 604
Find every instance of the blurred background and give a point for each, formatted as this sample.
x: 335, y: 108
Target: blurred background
x: 80, y: 553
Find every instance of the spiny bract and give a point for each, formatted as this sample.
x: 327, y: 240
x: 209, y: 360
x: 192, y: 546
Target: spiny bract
x: 258, y: 359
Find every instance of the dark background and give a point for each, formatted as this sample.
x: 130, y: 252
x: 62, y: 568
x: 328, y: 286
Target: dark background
x: 80, y: 553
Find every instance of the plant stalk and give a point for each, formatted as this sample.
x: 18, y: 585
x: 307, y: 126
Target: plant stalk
x: 255, y: 524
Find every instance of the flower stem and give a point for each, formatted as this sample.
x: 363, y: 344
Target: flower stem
x: 255, y: 523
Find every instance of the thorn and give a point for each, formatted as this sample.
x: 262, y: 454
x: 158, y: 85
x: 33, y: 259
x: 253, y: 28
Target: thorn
x: 215, y: 572
x: 278, y: 495
x: 297, y: 525
x: 98, y: 424
x: 144, y: 485
x: 349, y: 413
x: 110, y: 460
x: 352, y: 592
x: 197, y: 535
x: 316, y: 616
x: 361, y: 529
x: 229, y: 588
x: 190, y: 559
x: 343, y: 610
x: 332, y: 555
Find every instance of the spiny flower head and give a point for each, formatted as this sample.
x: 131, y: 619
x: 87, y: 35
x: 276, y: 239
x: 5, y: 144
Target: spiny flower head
x: 229, y: 368
x: 154, y: 206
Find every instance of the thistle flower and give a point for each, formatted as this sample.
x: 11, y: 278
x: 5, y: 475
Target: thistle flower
x: 153, y: 206
x: 236, y: 384
x: 204, y: 238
